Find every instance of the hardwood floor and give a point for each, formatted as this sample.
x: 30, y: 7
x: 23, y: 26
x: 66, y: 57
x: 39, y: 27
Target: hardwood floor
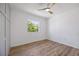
x: 44, y: 48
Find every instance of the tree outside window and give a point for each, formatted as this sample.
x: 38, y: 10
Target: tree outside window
x: 33, y: 26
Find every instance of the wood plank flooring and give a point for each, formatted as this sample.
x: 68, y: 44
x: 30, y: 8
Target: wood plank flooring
x: 44, y: 48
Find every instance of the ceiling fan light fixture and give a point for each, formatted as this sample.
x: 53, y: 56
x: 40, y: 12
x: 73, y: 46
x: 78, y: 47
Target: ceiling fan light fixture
x: 47, y: 9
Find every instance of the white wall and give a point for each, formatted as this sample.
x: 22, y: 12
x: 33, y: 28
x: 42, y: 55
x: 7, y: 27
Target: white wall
x: 64, y: 25
x: 19, y: 34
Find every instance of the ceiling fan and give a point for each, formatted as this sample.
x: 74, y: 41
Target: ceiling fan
x: 48, y: 8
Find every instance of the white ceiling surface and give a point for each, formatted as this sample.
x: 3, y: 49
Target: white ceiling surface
x: 33, y: 8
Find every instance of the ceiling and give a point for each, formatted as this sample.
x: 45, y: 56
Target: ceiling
x: 33, y: 8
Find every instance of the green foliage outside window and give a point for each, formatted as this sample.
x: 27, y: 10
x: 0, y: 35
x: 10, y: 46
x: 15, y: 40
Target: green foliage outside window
x: 32, y: 27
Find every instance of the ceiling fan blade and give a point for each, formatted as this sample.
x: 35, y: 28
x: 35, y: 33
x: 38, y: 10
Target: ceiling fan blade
x: 48, y: 5
x: 43, y: 9
x: 50, y: 12
x: 52, y: 5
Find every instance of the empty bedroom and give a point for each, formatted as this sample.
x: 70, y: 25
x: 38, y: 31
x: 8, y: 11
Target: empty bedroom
x: 39, y: 29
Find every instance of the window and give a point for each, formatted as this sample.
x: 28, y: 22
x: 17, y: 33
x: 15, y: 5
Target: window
x: 33, y: 26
